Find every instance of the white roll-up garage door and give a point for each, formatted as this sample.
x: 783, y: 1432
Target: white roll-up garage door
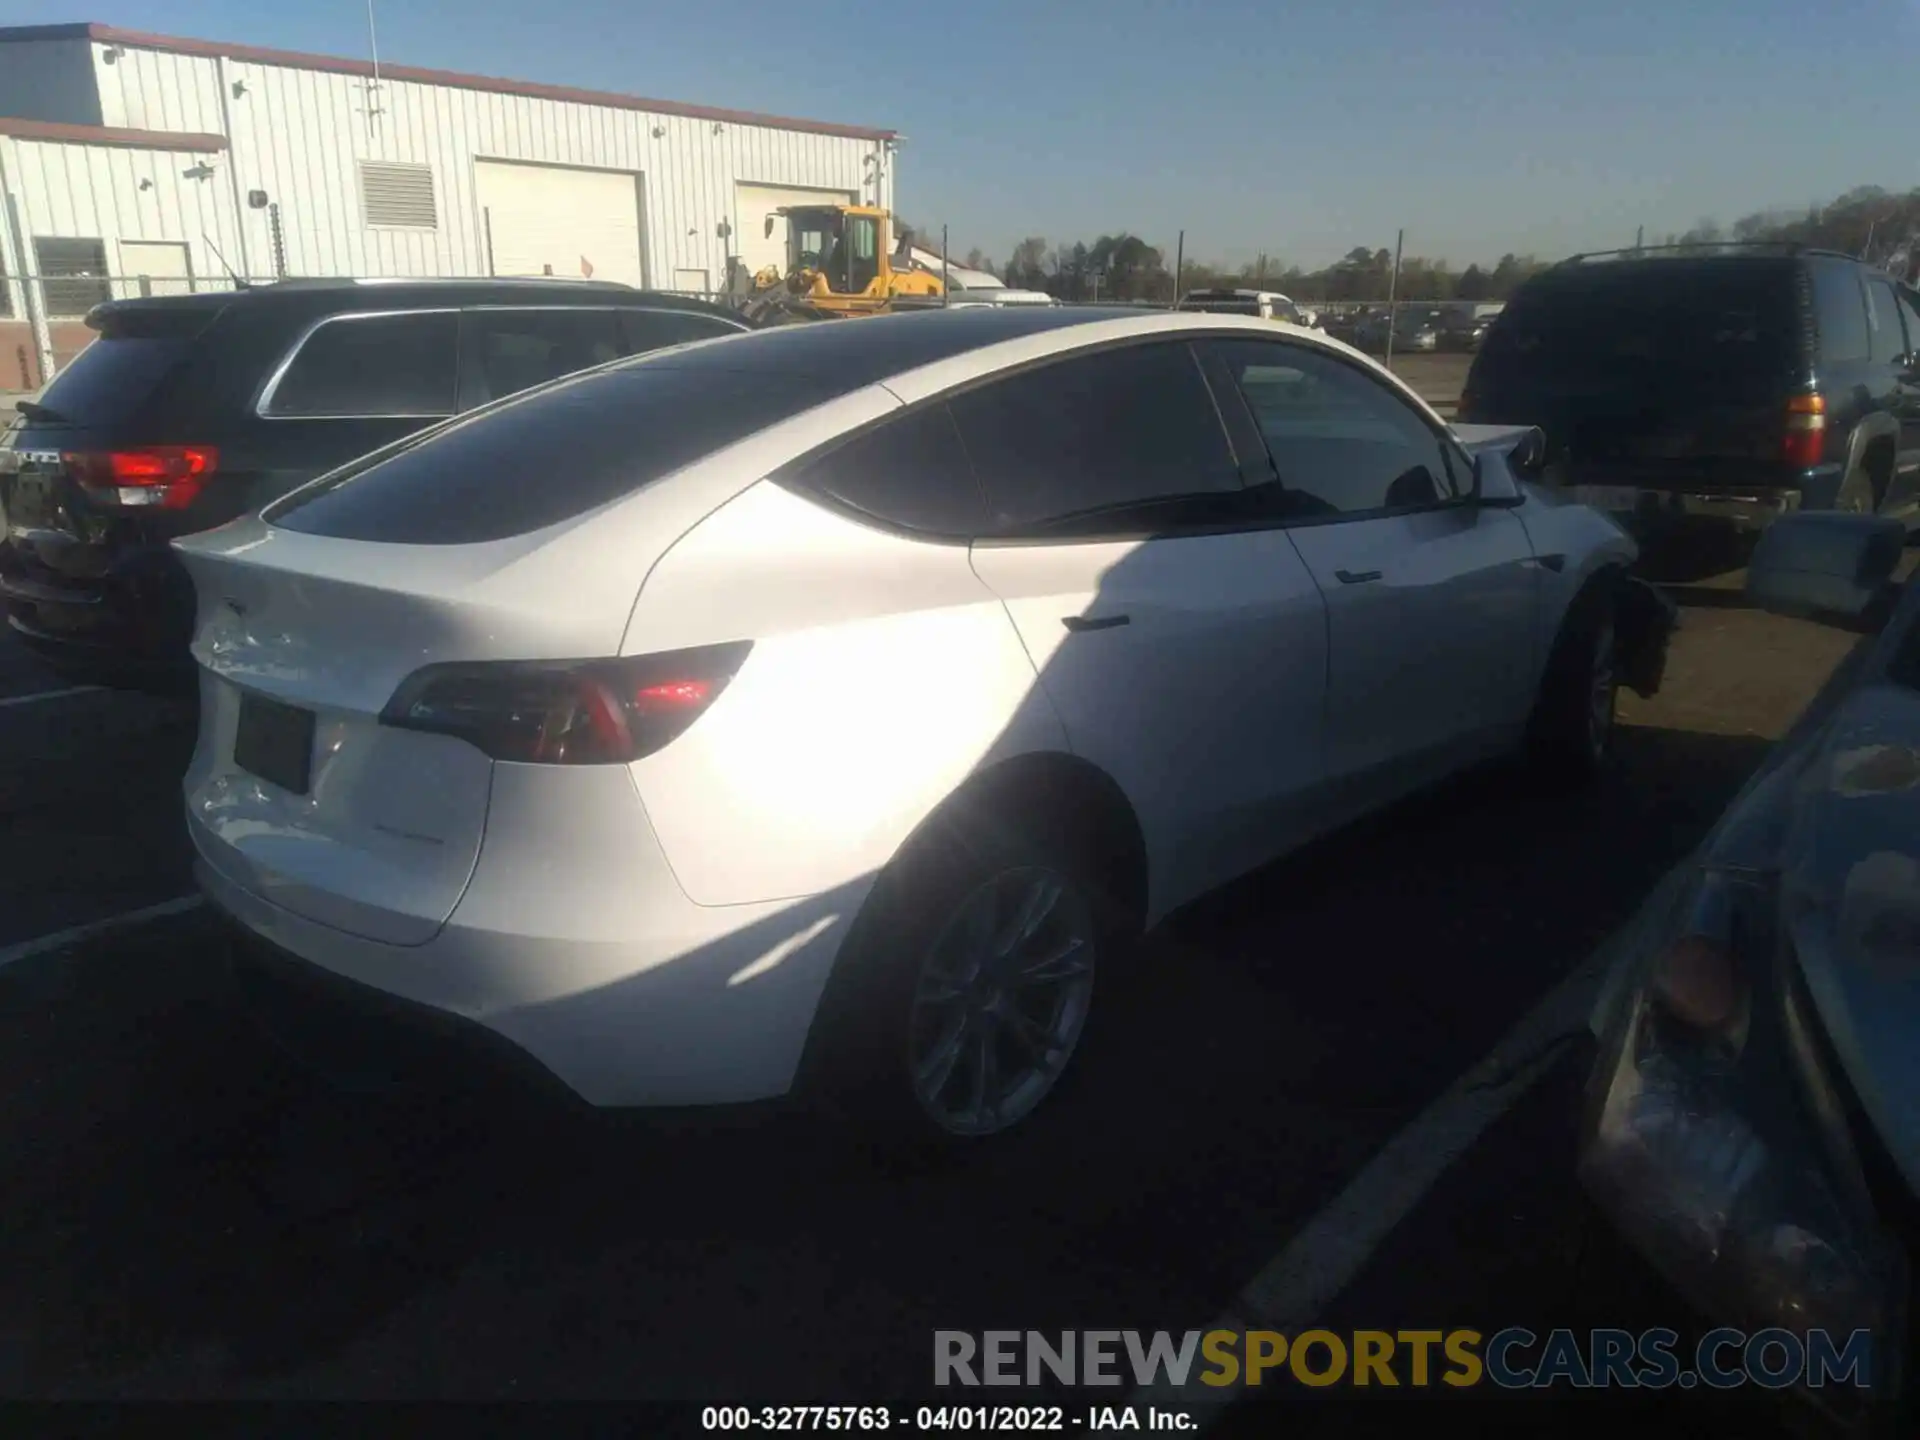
x: 755, y: 202
x: 551, y: 220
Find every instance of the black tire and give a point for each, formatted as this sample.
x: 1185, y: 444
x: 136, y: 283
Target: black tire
x: 859, y: 1067
x: 1570, y: 735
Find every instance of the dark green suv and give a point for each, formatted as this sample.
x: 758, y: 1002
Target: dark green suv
x: 1688, y: 388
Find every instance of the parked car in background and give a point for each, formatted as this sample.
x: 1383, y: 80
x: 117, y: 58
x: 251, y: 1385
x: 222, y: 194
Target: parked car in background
x: 1267, y: 304
x: 1751, y: 1126
x: 1003, y: 295
x: 1684, y: 391
x: 1462, y: 330
x: 1417, y: 330
x: 190, y: 410
x: 824, y: 717
x: 1340, y: 324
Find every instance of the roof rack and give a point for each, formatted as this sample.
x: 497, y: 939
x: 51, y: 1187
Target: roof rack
x: 1778, y: 247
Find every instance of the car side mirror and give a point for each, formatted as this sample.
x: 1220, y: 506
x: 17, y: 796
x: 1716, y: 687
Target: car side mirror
x: 1493, y: 483
x: 1529, y: 454
x: 767, y: 232
x: 1827, y: 566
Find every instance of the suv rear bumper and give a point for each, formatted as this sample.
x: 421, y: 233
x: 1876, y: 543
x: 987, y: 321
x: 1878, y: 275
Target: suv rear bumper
x: 1749, y: 507
x: 126, y: 629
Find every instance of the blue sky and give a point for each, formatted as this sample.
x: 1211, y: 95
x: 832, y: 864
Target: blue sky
x: 1298, y: 129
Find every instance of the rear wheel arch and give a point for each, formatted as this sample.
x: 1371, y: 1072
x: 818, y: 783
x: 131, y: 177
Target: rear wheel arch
x: 1035, y: 805
x: 1073, y: 800
x: 1877, y: 456
x: 1871, y: 452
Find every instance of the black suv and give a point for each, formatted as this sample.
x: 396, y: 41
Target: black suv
x: 1685, y: 390
x: 190, y: 410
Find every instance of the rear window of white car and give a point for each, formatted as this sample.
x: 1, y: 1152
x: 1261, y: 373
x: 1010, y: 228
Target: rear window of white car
x: 544, y: 456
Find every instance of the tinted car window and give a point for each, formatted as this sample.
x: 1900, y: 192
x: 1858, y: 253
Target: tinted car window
x: 545, y: 457
x: 645, y: 330
x: 1841, y: 311
x: 514, y: 350
x: 910, y: 472
x: 372, y: 365
x: 1653, y: 319
x: 112, y: 378
x: 1883, y: 321
x: 140, y: 354
x: 1341, y: 442
x: 1094, y: 433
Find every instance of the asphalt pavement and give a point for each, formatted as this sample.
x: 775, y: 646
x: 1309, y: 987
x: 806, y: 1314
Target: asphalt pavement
x: 190, y: 1216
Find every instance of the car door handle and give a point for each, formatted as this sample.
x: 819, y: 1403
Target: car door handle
x: 1079, y: 623
x: 1356, y: 577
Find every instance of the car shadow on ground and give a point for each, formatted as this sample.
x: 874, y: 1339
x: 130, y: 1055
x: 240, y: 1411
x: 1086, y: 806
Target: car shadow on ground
x: 1708, y: 597
x: 197, y: 1218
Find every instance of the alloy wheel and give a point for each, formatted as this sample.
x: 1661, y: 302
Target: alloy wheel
x: 1001, y: 1000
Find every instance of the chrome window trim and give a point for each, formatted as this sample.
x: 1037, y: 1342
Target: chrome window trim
x: 261, y: 406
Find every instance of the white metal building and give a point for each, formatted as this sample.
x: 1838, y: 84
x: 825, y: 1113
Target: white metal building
x: 129, y: 155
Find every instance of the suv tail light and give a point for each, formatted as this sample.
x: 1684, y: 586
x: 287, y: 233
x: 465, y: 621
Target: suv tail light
x: 1806, y: 442
x: 566, y: 712
x: 168, y: 476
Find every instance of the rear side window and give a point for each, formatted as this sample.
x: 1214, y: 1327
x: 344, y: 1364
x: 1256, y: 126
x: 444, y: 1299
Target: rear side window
x: 1653, y: 320
x: 1841, y: 311
x: 645, y: 330
x: 1883, y: 321
x: 910, y: 472
x: 1095, y: 433
x: 366, y: 366
x: 514, y: 350
x: 546, y: 456
x: 136, y: 355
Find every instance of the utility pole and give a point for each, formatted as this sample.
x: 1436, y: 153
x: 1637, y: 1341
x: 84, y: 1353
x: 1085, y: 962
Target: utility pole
x: 946, y: 272
x: 1393, y: 290
x: 373, y: 89
x: 1640, y: 238
x: 1179, y: 263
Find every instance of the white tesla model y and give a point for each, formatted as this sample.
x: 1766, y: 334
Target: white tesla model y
x: 827, y: 706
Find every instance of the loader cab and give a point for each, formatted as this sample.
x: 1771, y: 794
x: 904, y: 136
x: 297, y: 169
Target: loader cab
x: 846, y: 245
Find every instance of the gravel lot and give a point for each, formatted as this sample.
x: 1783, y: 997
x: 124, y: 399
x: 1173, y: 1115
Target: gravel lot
x: 188, y: 1216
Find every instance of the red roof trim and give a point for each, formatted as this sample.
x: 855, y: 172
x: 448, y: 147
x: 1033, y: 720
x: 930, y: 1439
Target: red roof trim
x: 185, y: 140
x: 339, y: 65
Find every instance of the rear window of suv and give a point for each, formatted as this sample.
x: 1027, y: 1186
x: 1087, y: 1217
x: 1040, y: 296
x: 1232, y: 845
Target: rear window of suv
x: 115, y: 376
x: 545, y: 455
x: 1658, y: 317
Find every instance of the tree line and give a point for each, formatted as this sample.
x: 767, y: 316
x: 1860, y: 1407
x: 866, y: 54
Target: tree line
x: 1877, y: 224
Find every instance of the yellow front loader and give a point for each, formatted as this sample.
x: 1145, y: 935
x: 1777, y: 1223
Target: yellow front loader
x: 839, y: 264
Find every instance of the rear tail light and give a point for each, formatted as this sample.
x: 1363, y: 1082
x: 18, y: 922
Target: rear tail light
x: 566, y: 712
x: 1806, y: 440
x: 167, y: 476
